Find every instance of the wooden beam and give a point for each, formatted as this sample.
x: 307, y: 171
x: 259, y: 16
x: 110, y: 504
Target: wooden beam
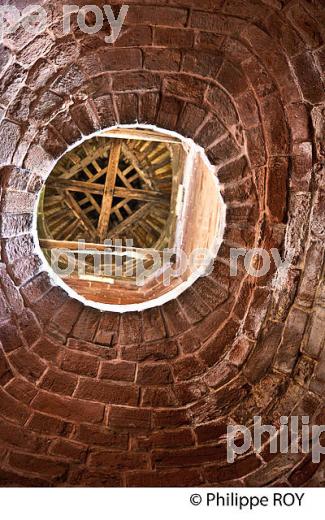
x: 132, y: 158
x: 85, y: 162
x: 79, y: 213
x: 98, y: 189
x: 108, y: 194
x: 140, y: 213
x: 49, y: 244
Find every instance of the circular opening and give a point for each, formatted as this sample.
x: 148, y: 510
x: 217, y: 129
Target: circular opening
x: 130, y: 217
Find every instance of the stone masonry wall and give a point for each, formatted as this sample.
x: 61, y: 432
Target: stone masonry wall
x: 144, y: 399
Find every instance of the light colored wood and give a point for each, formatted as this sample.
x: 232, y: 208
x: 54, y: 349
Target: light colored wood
x: 137, y: 165
x: 140, y: 213
x: 75, y: 208
x: 109, y: 187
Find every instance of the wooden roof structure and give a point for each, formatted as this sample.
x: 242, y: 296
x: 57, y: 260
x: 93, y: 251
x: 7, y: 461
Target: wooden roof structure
x: 112, y: 189
x: 122, y: 195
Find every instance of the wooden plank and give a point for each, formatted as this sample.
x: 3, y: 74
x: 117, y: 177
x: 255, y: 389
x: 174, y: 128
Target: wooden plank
x: 132, y: 158
x: 108, y: 194
x: 85, y: 162
x: 79, y: 213
x: 49, y: 244
x: 140, y: 213
x: 98, y: 189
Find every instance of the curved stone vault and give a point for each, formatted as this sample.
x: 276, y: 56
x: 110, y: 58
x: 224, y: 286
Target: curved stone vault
x: 144, y: 399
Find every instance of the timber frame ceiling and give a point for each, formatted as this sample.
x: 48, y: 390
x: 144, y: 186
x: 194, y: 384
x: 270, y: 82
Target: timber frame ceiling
x: 133, y: 191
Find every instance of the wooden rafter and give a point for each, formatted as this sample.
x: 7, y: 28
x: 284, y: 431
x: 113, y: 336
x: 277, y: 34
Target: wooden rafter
x: 132, y: 158
x: 120, y: 192
x: 140, y: 213
x: 75, y: 208
x: 108, y: 193
x: 116, y: 187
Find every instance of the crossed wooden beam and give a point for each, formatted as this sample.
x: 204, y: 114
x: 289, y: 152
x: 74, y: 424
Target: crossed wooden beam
x: 108, y: 190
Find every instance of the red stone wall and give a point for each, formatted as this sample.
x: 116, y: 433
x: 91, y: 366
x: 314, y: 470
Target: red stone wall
x: 144, y: 399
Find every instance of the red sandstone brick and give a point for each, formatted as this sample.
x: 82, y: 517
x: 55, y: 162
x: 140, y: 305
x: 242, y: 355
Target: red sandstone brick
x: 234, y: 471
x: 189, y: 456
x: 277, y: 188
x: 170, y: 418
x: 264, y: 352
x: 172, y: 439
x: 154, y: 374
x: 156, y: 396
x: 12, y: 295
x: 212, y: 131
x: 66, y: 316
x: 187, y: 367
x: 134, y: 36
x: 275, y: 126
x: 107, y: 329
x: 204, y: 63
x: 92, y: 348
x: 191, y: 119
x: 9, y: 337
x: 85, y: 118
x: 220, y: 374
x: 213, y: 349
x: 20, y: 438
x: 123, y: 81
x: 45, y: 467
x: 127, y: 107
x: 21, y: 390
x: 298, y: 118
x: 112, y: 59
x: 129, y: 419
x: 96, y: 435
x: 232, y: 79
x: 148, y: 105
x: 174, y: 318
x: 211, y: 432
x: 109, y: 393
x: 12, y: 409
x: 185, y: 477
x: 48, y: 304
x: 194, y: 307
x: 166, y: 37
x: 118, y: 371
x: 5, y: 371
x: 169, y: 112
x: 166, y: 349
x: 96, y: 478
x: 12, y: 479
x: 154, y: 15
x: 46, y: 424
x: 131, y: 328
x: 9, y: 137
x: 86, y: 325
x: 79, y: 363
x: 308, y: 28
x: 222, y: 106
x: 27, y: 364
x: 47, y: 349
x: 68, y: 450
x: 162, y: 59
x: 185, y: 87
x: 69, y: 409
x: 105, y: 111
x: 153, y: 325
x: 114, y: 461
x: 59, y: 382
